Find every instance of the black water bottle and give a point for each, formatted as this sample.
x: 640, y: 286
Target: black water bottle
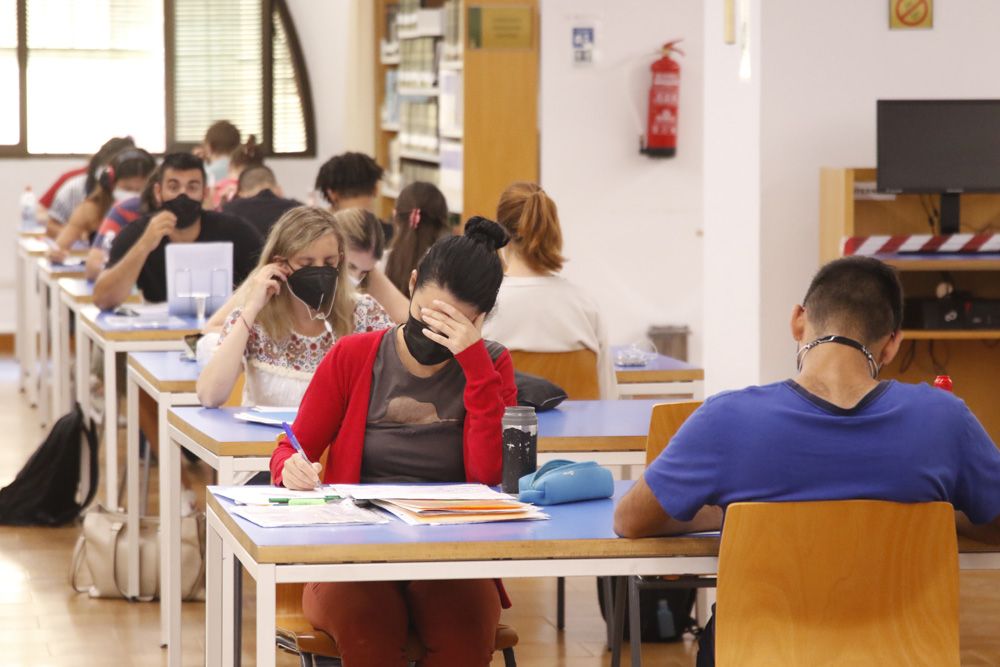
x: 520, y: 445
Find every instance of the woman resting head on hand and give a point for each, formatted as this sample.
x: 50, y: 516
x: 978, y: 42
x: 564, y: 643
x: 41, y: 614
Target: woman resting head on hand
x: 421, y: 402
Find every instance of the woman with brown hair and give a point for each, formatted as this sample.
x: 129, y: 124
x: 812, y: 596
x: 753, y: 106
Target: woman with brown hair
x: 420, y: 219
x: 563, y: 317
x: 250, y: 154
x: 122, y: 178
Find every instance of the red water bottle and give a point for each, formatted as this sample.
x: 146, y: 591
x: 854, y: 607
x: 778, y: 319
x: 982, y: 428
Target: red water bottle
x: 943, y: 382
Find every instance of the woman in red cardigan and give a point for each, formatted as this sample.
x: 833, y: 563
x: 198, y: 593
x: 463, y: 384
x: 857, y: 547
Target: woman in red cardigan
x: 421, y: 402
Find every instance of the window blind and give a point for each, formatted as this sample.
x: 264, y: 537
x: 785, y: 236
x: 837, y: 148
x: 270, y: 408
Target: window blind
x: 217, y: 67
x: 10, y: 123
x: 102, y: 59
x: 289, y: 117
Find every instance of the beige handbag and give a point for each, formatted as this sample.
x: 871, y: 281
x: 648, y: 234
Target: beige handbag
x: 102, y: 549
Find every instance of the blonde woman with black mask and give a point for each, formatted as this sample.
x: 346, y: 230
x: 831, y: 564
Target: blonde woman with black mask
x: 290, y: 311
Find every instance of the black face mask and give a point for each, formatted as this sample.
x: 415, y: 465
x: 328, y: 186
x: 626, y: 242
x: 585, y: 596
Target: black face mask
x: 186, y: 210
x: 313, y: 285
x: 426, y: 351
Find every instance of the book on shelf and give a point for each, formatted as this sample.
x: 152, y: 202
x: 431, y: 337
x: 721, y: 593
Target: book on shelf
x: 390, y: 101
x: 450, y: 173
x: 450, y: 103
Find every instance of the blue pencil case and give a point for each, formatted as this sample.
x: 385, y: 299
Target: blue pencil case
x: 562, y: 481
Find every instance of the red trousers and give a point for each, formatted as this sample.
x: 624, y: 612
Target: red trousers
x: 456, y: 620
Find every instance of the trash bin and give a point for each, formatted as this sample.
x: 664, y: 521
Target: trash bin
x: 670, y: 340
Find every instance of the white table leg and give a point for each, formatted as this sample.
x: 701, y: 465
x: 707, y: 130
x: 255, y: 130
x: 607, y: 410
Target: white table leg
x: 44, y: 402
x: 266, y: 600
x: 55, y: 343
x: 62, y: 368
x: 132, y: 477
x: 213, y: 597
x: 21, y: 334
x: 170, y: 543
x: 229, y: 616
x: 83, y: 370
x: 111, y: 425
x: 31, y: 333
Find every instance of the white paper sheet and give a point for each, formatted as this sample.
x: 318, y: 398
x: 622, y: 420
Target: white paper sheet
x: 277, y: 516
x: 262, y: 495
x: 419, y: 491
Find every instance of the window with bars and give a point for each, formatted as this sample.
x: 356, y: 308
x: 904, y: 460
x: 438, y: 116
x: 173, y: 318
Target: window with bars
x: 159, y: 70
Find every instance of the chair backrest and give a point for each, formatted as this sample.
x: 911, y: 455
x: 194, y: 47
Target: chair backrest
x: 850, y: 582
x: 576, y: 372
x: 664, y: 422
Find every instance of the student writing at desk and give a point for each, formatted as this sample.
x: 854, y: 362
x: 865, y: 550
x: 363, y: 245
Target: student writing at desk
x: 138, y: 253
x: 288, y: 314
x: 835, y: 432
x: 421, y: 402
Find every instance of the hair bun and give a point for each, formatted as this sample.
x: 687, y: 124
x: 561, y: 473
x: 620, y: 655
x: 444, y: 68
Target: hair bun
x: 487, y: 232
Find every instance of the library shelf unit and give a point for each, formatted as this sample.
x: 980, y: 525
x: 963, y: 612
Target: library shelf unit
x: 970, y: 356
x: 493, y: 93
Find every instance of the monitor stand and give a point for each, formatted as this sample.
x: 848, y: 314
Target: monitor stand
x: 950, y: 206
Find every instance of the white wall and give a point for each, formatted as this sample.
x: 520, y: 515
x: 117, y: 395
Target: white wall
x: 732, y: 263
x: 329, y: 32
x: 824, y: 66
x: 631, y: 223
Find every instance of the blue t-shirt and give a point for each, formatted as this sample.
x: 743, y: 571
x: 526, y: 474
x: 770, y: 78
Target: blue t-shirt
x: 903, y: 442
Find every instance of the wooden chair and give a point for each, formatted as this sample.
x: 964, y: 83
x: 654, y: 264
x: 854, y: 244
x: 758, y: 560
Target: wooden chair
x: 297, y: 635
x: 855, y: 582
x: 576, y: 371
x: 665, y: 420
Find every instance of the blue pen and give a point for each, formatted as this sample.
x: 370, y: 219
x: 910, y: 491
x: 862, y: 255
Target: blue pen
x: 292, y: 439
x: 295, y: 442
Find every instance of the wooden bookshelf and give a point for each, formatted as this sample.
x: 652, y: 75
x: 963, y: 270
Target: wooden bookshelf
x: 970, y: 357
x: 499, y: 137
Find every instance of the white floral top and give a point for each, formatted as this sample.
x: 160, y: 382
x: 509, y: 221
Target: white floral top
x: 278, y: 371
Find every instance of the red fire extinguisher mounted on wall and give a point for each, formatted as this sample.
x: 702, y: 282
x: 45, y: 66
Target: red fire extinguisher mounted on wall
x: 664, y: 101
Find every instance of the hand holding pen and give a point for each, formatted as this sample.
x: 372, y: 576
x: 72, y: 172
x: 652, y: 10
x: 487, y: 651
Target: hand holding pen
x: 298, y: 473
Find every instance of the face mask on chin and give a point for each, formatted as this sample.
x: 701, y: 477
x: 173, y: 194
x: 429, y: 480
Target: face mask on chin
x: 355, y: 280
x: 425, y: 351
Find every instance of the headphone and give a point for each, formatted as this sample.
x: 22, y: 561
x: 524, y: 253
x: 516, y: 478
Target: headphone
x: 106, y: 175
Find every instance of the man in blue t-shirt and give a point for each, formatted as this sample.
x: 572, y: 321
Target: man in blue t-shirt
x: 835, y: 432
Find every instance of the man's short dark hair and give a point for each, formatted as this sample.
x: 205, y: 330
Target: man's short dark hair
x: 858, y: 296
x: 182, y: 162
x: 257, y: 178
x: 349, y: 175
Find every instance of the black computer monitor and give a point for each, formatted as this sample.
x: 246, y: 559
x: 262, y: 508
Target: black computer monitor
x: 944, y: 147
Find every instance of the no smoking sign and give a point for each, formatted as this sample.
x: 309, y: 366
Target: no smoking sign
x: 910, y: 14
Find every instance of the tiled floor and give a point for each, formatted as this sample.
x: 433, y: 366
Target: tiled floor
x: 43, y: 623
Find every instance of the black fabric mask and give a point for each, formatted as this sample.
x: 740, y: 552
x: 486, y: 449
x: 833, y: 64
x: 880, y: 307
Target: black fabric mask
x: 313, y: 285
x: 186, y: 210
x: 426, y: 351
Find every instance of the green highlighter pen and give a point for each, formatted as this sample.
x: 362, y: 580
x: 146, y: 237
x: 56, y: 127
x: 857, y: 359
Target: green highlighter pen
x: 302, y: 501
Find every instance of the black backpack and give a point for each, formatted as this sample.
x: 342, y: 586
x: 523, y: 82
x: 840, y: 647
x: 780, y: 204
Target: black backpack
x: 44, y: 492
x: 680, y: 602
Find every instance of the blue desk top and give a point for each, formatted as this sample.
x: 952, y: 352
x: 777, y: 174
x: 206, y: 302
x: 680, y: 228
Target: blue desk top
x: 660, y: 363
x: 220, y: 428
x: 173, y: 327
x: 166, y: 366
x: 584, y: 527
x: 572, y: 419
x: 597, y: 419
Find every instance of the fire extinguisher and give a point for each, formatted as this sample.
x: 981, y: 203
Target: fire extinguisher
x: 664, y: 101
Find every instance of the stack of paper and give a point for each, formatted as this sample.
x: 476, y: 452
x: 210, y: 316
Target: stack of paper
x: 442, y: 504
